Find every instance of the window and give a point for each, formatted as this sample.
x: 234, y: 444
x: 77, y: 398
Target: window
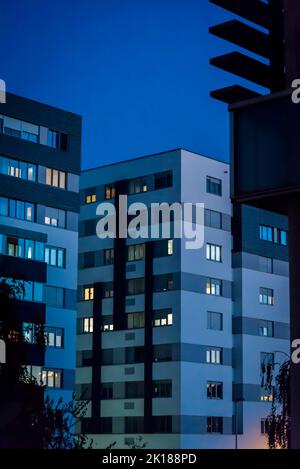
x: 17, y: 209
x: 162, y: 424
x: 108, y: 290
x: 212, y: 219
x: 134, y: 389
x: 107, y: 324
x: 266, y: 359
x: 213, y: 287
x: 266, y: 328
x: 266, y: 395
x: 35, y: 372
x: 135, y: 286
x: 17, y: 168
x: 106, y: 391
x: 20, y: 129
x: 213, y: 186
x: 56, y: 178
x: 19, y: 247
x: 54, y: 337
x: 162, y: 353
x: 55, y: 217
x: 89, y: 259
x: 90, y: 198
x: 266, y: 264
x: 109, y: 191
x: 30, y: 332
x: 162, y: 388
x: 134, y: 424
x: 54, y: 296
x: 282, y: 237
x: 136, y: 252
x: 170, y: 247
x: 213, y: 252
x: 214, y: 425
x: 214, y: 390
x: 87, y: 325
x: 137, y: 186
x: 88, y: 293
x: 163, y: 283
x: 52, y: 378
x: 108, y: 256
x: 266, y: 233
x: 274, y: 235
x: 53, y: 139
x: 163, y: 180
x: 55, y: 256
x: 135, y: 320
x: 214, y: 355
x: 162, y: 317
x: 264, y: 426
x: 28, y: 291
x: 266, y: 296
x: 214, y: 321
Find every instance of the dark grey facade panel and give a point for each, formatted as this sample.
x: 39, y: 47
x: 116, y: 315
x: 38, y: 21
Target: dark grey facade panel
x: 29, y: 270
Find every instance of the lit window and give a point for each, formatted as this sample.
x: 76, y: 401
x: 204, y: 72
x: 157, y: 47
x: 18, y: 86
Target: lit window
x: 110, y: 192
x: 88, y: 293
x: 54, y: 337
x: 213, y: 252
x: 136, y: 252
x: 170, y: 247
x: 214, y: 355
x: 87, y: 325
x: 90, y: 199
x: 213, y: 287
x: 162, y: 317
x: 266, y: 296
x: 56, y: 178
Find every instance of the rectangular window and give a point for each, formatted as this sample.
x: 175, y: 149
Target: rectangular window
x: 54, y: 296
x: 55, y: 256
x: 135, y: 320
x: 264, y: 426
x: 138, y: 185
x: 163, y: 180
x: 162, y: 353
x: 108, y: 256
x: 136, y: 252
x: 90, y: 198
x: 29, y: 332
x: 214, y: 425
x: 212, y: 219
x: 134, y: 390
x: 88, y: 293
x: 213, y: 287
x: 162, y: 317
x: 162, y: 388
x: 214, y: 390
x: 54, y: 337
x: 282, y: 237
x: 106, y: 391
x: 87, y: 325
x: 55, y: 178
x: 266, y: 233
x: 55, y: 217
x: 170, y: 247
x: 107, y: 323
x: 17, y: 168
x: 52, y: 378
x: 266, y: 296
x: 109, y: 191
x: 53, y: 139
x: 108, y: 290
x: 214, y: 321
x: 266, y: 328
x: 213, y: 186
x: 214, y: 355
x: 266, y: 264
x: 163, y: 283
x: 135, y: 286
x: 213, y: 252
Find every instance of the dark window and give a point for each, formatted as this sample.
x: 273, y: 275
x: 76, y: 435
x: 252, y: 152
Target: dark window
x: 214, y: 425
x: 162, y: 353
x: 105, y: 425
x: 264, y: 426
x: 266, y: 328
x: 108, y: 290
x: 163, y: 180
x: 108, y: 256
x: 266, y: 264
x: 134, y: 389
x: 163, y: 283
x: 138, y: 185
x: 135, y: 320
x: 107, y: 391
x: 214, y: 390
x: 107, y: 356
x: 134, y: 355
x: 214, y: 321
x: 54, y: 296
x: 162, y: 388
x: 135, y: 286
x: 213, y: 219
x: 89, y: 259
x: 89, y: 227
x: 213, y: 186
x: 134, y: 424
x: 87, y: 358
x: 64, y: 142
x: 162, y: 424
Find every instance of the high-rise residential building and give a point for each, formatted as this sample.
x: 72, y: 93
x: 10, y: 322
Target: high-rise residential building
x: 171, y: 340
x: 40, y: 152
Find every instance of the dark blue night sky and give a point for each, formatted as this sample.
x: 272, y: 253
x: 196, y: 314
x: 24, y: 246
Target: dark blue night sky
x: 136, y: 70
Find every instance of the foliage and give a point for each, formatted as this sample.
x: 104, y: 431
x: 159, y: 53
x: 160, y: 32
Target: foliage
x: 138, y: 443
x: 278, y: 421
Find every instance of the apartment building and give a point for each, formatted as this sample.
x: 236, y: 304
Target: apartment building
x: 40, y: 151
x: 169, y: 339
